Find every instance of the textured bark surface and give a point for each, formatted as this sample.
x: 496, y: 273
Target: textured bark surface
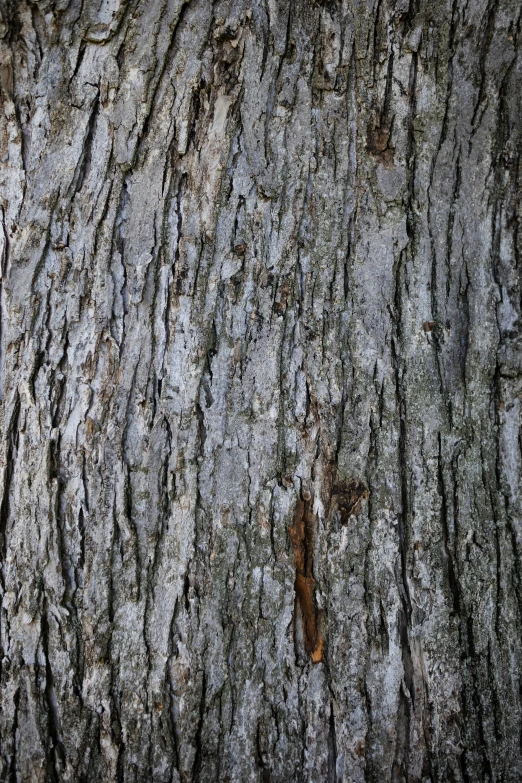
x: 261, y: 510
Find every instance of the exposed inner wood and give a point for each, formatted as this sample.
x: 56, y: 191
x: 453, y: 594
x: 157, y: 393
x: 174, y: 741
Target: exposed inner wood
x: 302, y: 534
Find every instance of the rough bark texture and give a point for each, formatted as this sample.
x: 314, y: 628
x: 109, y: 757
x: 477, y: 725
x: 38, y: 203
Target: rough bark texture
x: 261, y: 505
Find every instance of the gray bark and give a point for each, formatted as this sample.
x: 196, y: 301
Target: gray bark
x: 261, y: 510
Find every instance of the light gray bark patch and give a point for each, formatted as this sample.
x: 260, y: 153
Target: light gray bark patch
x: 260, y: 454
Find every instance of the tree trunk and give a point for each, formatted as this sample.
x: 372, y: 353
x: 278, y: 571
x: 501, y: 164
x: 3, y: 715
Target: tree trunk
x: 261, y: 499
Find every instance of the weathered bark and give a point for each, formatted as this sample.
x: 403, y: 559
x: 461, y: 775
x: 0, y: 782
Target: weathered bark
x: 261, y: 511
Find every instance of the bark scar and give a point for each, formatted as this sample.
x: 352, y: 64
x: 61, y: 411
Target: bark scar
x: 302, y: 535
x: 379, y: 144
x: 347, y: 497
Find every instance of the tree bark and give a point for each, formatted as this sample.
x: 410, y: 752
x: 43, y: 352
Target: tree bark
x: 261, y: 505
